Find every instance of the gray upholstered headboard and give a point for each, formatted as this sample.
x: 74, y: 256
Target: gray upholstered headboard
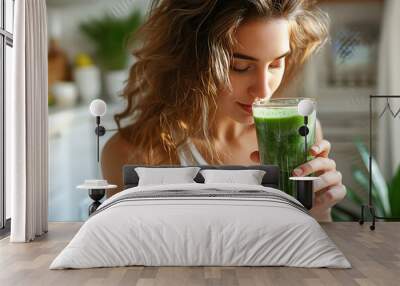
x: 270, y: 179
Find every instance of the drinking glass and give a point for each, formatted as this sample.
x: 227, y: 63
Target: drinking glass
x: 277, y: 123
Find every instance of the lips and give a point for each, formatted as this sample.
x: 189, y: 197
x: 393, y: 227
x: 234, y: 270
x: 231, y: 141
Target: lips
x: 246, y: 107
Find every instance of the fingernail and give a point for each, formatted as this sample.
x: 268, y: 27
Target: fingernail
x: 298, y: 171
x: 315, y: 149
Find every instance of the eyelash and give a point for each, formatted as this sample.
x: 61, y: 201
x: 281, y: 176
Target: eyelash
x: 240, y: 70
x: 247, y: 68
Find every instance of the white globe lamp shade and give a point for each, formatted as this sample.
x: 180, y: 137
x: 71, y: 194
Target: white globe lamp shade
x: 305, y: 107
x: 98, y: 107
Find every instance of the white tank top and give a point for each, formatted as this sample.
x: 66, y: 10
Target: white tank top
x: 189, y: 155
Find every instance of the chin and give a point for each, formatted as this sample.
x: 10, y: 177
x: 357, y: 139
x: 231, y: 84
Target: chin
x: 237, y: 115
x: 248, y: 120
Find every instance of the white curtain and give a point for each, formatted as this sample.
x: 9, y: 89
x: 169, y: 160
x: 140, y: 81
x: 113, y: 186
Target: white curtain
x: 388, y: 132
x: 26, y: 119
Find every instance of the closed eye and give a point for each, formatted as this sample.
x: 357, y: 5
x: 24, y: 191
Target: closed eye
x: 236, y: 69
x: 240, y: 67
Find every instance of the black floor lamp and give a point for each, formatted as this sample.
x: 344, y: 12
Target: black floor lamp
x: 370, y: 206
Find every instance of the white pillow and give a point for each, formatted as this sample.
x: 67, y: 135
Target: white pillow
x: 162, y: 176
x: 249, y: 177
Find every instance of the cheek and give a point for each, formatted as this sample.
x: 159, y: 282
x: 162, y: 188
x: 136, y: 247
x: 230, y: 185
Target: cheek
x: 240, y: 86
x: 281, y: 74
x: 238, y: 90
x: 276, y: 81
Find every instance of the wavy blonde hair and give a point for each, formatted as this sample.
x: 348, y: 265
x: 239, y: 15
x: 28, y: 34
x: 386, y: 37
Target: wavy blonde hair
x: 184, y: 60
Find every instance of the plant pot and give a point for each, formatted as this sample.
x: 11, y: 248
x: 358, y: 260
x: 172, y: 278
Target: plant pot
x: 88, y: 82
x: 115, y: 82
x: 65, y: 93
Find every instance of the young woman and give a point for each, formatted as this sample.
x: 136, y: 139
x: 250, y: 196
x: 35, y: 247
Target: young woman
x: 201, y: 65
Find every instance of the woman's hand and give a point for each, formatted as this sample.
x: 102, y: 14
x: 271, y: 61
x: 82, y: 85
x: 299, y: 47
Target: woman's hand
x: 329, y: 189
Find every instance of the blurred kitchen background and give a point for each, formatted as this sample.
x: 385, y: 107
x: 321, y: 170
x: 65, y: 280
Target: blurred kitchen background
x: 88, y: 59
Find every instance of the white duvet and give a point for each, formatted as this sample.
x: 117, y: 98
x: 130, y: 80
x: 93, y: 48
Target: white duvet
x: 183, y: 231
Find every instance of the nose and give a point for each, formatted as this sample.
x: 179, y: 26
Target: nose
x: 261, y: 86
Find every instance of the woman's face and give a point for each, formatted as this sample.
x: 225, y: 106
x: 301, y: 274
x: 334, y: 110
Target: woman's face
x: 257, y: 66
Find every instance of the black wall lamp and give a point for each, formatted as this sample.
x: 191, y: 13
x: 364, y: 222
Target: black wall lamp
x: 304, y: 185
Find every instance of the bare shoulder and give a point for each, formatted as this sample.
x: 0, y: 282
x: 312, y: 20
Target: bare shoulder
x: 114, y: 156
x: 116, y: 145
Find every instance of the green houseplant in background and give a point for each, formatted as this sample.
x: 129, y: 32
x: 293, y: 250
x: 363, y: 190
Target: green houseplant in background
x: 112, y: 38
x: 385, y: 195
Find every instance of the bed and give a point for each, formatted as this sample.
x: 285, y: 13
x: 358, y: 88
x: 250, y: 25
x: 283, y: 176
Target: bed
x: 201, y: 224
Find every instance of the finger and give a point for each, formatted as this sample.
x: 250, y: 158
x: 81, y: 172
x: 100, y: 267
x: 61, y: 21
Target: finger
x: 319, y: 198
x: 255, y: 156
x: 317, y: 164
x: 321, y: 216
x: 321, y: 149
x: 330, y: 197
x: 327, y: 179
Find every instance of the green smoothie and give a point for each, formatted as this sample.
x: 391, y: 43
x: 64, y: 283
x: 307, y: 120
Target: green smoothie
x: 279, y: 141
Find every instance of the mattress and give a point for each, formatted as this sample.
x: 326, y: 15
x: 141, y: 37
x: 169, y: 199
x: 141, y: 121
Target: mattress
x: 201, y: 225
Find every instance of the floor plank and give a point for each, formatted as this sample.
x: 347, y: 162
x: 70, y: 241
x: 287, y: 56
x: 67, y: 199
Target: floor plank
x: 374, y: 255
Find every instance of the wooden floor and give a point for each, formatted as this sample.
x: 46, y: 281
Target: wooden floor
x: 374, y: 255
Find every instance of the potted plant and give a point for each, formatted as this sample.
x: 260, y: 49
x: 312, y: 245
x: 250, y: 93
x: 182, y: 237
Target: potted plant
x: 110, y: 36
x: 385, y: 195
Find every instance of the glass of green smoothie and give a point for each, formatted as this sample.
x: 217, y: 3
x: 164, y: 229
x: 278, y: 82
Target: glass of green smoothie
x: 277, y: 123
